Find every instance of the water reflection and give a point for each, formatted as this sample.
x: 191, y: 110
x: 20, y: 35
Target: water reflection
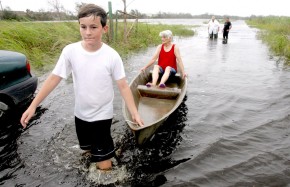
x: 155, y: 156
x: 10, y: 131
x: 233, y: 130
x: 212, y: 44
x: 9, y: 158
x: 225, y: 54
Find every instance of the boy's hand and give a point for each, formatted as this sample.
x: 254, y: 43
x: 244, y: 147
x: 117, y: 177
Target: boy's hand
x: 26, y: 116
x: 143, y: 69
x: 138, y: 120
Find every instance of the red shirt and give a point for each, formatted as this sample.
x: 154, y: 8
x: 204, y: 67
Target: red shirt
x: 167, y: 58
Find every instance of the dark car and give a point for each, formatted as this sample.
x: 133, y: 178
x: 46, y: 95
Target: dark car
x: 17, y: 84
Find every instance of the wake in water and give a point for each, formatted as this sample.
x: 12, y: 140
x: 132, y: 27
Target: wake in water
x: 117, y: 175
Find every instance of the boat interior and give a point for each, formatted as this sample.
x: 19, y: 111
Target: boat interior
x: 153, y: 102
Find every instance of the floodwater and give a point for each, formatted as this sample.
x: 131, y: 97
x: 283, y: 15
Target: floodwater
x: 231, y: 130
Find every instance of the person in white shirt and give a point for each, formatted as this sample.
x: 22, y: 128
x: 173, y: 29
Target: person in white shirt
x: 94, y: 66
x: 213, y: 28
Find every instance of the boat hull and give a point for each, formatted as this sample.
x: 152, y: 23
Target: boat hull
x: 154, y: 104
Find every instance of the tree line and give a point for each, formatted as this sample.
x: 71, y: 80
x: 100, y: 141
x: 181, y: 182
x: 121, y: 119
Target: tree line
x: 61, y: 14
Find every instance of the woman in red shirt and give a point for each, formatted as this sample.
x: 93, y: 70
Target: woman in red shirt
x: 168, y: 56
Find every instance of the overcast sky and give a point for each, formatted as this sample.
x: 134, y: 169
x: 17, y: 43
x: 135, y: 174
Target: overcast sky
x: 194, y: 7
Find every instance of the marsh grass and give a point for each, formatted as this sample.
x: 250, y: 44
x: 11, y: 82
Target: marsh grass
x: 145, y: 35
x: 42, y: 42
x: 275, y: 31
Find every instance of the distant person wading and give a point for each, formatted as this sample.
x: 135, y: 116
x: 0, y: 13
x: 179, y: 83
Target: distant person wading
x: 213, y: 28
x: 226, y: 30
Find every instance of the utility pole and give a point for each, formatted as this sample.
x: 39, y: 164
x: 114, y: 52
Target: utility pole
x: 111, y: 21
x: 125, y: 21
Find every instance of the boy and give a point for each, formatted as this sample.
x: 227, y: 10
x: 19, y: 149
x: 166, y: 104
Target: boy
x: 168, y: 56
x: 93, y: 65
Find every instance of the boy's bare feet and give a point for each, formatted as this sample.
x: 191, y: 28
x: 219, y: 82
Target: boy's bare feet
x: 104, y: 165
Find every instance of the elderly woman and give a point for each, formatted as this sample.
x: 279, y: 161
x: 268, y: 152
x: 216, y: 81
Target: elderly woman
x: 168, y: 56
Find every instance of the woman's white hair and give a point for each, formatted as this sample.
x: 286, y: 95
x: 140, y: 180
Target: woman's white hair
x: 166, y: 34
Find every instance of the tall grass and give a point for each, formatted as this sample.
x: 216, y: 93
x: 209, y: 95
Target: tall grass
x: 42, y: 42
x: 275, y: 31
x: 145, y: 35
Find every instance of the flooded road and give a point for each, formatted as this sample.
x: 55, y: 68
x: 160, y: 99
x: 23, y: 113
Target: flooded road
x: 231, y: 130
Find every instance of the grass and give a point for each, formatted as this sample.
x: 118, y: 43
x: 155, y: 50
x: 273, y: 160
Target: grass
x: 275, y: 31
x: 42, y: 42
x: 145, y: 35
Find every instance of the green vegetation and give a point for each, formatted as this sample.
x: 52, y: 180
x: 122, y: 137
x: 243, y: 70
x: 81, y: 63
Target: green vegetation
x: 58, y: 13
x: 275, y: 31
x: 42, y: 42
x: 145, y: 35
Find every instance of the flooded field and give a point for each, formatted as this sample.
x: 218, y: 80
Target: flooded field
x: 232, y: 129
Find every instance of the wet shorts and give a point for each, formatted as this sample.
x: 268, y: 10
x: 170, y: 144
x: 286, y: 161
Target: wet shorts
x: 172, y: 71
x: 96, y: 136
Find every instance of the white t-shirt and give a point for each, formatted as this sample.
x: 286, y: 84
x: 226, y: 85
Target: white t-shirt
x: 213, y: 26
x: 93, y: 74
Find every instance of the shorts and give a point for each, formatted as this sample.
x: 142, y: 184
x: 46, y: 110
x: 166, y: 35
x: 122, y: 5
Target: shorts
x: 96, y: 137
x: 172, y: 71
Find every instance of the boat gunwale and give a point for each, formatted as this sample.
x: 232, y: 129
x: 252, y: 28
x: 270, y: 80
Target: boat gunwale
x: 179, y: 99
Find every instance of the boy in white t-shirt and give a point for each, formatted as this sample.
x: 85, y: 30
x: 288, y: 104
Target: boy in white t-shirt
x: 94, y: 65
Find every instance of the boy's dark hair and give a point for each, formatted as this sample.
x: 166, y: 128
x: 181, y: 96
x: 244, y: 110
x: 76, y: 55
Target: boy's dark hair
x: 92, y: 9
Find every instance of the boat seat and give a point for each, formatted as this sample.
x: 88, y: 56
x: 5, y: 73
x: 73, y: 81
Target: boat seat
x: 160, y: 93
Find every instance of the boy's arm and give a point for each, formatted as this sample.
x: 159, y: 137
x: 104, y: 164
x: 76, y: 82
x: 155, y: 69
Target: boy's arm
x: 154, y: 58
x: 129, y: 100
x: 50, y: 83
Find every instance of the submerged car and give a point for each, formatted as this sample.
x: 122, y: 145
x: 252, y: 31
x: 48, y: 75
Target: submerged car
x: 17, y: 84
